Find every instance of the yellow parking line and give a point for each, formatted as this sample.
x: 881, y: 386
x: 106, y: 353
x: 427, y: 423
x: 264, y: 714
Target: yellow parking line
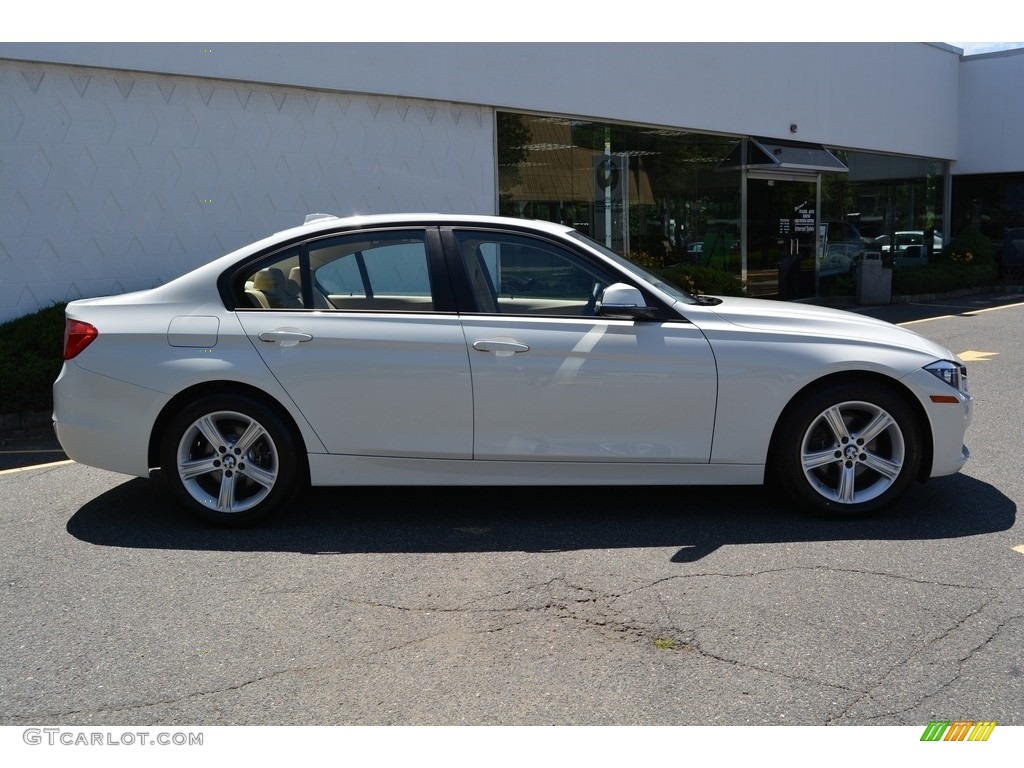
x: 970, y: 312
x: 974, y: 356
x: 993, y: 309
x: 35, y: 466
x: 926, y: 320
x: 1018, y: 548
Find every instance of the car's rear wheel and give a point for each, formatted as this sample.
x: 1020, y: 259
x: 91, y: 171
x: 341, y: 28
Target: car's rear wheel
x: 230, y: 459
x: 849, y: 449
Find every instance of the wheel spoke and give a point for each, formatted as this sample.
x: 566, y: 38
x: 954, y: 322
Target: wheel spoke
x: 818, y: 459
x: 208, y: 427
x: 877, y: 426
x: 834, y: 418
x: 226, y: 498
x: 847, y: 487
x: 252, y: 433
x: 190, y: 469
x: 259, y: 475
x: 887, y: 468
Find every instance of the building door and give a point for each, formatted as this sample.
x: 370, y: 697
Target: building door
x: 781, y: 245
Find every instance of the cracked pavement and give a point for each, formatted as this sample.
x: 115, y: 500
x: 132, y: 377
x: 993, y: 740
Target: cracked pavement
x: 452, y: 614
x: 525, y: 606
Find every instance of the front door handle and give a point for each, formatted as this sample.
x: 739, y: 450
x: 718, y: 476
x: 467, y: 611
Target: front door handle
x: 501, y: 347
x: 287, y: 337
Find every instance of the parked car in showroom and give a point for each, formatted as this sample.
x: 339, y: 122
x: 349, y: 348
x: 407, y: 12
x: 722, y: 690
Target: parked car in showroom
x: 428, y: 349
x: 907, y: 239
x: 843, y: 245
x: 910, y: 248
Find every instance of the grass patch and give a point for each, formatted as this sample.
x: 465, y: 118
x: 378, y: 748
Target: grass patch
x: 31, y: 348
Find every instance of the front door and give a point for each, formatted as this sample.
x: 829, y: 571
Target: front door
x: 555, y: 381
x: 782, y: 224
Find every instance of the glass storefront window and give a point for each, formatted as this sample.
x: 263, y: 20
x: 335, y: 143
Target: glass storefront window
x: 893, y: 204
x: 994, y: 205
x: 652, y: 195
x: 663, y: 197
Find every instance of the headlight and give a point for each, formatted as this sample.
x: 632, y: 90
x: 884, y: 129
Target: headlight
x: 952, y: 373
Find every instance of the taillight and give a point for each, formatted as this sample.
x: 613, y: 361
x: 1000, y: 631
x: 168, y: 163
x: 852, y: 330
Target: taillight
x: 77, y: 336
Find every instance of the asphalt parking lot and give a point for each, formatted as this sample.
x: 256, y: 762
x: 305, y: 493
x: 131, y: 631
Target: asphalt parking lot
x: 29, y: 447
x: 524, y: 606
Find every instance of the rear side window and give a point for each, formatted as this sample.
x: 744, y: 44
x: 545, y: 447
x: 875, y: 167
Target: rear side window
x: 384, y: 271
x: 274, y: 284
x: 380, y: 271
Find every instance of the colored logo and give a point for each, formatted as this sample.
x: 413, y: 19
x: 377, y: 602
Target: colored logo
x: 607, y: 173
x: 958, y: 730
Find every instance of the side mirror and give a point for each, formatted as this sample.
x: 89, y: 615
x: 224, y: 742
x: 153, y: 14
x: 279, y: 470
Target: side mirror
x: 624, y: 302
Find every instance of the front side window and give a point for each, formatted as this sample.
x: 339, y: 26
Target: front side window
x: 512, y: 274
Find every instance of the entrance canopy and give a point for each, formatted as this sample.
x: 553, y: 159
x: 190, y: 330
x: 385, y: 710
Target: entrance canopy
x: 781, y: 155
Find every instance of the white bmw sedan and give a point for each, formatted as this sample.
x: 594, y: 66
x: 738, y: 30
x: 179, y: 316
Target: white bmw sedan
x: 446, y: 350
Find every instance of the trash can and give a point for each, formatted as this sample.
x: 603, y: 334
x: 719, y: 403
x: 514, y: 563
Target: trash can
x: 789, y: 277
x: 874, y: 280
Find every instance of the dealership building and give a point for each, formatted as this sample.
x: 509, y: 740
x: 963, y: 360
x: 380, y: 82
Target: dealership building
x: 123, y: 165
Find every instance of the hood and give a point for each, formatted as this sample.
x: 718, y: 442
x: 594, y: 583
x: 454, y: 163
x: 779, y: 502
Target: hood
x: 809, y: 320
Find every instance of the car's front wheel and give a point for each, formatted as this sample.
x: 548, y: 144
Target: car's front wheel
x: 230, y: 459
x: 849, y: 449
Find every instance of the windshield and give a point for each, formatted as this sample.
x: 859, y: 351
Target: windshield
x: 674, y: 291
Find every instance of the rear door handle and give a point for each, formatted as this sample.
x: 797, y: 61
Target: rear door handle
x: 286, y: 337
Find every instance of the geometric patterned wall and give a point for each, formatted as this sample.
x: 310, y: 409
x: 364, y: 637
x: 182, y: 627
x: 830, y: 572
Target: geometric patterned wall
x: 114, y: 181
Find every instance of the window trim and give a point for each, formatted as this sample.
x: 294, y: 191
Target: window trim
x: 231, y: 282
x: 467, y: 303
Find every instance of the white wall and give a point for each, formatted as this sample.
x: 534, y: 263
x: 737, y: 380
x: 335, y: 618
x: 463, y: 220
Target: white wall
x: 991, y: 114
x: 889, y: 97
x: 114, y: 180
x: 125, y: 164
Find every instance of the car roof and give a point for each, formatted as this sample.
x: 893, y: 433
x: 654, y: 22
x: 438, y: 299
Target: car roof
x: 318, y: 222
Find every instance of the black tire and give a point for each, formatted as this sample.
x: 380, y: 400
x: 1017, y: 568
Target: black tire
x: 230, y: 459
x: 849, y: 449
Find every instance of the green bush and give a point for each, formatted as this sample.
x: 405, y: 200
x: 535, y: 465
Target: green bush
x: 703, y: 280
x: 838, y: 285
x: 31, y: 351
x: 942, y: 277
x: 969, y: 246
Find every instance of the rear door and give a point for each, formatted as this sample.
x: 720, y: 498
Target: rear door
x: 366, y: 344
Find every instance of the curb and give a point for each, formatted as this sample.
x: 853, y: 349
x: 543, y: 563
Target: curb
x: 20, y: 422
x: 919, y: 298
x: 925, y: 297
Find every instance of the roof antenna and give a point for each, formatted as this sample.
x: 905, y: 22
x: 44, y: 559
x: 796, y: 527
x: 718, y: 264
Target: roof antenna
x: 311, y: 217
